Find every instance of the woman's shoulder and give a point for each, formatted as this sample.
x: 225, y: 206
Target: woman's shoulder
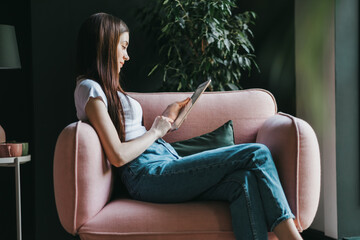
x: 87, y: 83
x: 86, y: 88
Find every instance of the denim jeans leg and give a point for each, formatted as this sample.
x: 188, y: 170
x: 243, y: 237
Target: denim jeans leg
x: 182, y: 179
x: 241, y: 190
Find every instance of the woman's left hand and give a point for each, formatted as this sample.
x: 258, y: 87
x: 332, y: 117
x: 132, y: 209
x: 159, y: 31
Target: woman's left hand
x: 172, y: 111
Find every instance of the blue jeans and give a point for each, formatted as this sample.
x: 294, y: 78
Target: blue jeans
x: 244, y: 175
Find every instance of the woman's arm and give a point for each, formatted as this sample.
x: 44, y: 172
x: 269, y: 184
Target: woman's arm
x: 117, y: 152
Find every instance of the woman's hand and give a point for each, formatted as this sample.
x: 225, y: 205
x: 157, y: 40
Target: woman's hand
x: 172, y: 111
x: 161, y: 126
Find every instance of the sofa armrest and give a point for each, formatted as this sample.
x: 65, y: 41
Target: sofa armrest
x: 82, y: 176
x: 295, y: 150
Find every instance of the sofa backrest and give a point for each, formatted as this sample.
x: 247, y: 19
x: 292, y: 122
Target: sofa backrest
x: 247, y: 108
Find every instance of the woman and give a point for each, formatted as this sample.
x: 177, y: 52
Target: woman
x: 150, y: 168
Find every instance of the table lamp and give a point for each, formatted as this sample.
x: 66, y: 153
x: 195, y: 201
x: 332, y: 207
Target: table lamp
x: 9, y: 56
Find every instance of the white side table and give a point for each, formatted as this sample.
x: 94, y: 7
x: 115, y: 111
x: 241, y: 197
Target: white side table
x: 15, y: 162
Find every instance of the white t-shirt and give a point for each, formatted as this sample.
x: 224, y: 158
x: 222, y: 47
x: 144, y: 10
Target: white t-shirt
x: 132, y: 109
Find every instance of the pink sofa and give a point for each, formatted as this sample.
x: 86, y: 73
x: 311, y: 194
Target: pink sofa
x: 84, y: 182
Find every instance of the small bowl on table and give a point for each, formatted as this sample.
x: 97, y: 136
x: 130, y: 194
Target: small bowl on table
x: 13, y: 149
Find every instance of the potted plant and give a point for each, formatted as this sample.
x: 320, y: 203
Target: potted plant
x: 198, y: 40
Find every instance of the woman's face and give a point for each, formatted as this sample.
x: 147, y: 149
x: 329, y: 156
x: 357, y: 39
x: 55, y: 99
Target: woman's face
x: 122, y: 54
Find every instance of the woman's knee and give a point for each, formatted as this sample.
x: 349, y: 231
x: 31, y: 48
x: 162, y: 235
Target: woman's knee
x: 262, y: 148
x: 261, y: 154
x: 248, y: 156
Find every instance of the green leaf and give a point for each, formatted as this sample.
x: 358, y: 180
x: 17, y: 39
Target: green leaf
x: 182, y: 23
x: 153, y: 69
x: 221, y: 88
x: 245, y: 48
x: 165, y: 28
x: 227, y: 44
x: 232, y: 86
x: 253, y: 15
x: 210, y: 40
x: 247, y: 62
x: 169, y: 51
x: 179, y: 86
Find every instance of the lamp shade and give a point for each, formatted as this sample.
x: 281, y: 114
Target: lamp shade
x: 9, y: 54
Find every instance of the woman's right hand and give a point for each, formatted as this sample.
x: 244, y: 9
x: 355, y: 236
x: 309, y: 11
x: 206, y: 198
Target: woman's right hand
x: 173, y: 110
x: 161, y: 125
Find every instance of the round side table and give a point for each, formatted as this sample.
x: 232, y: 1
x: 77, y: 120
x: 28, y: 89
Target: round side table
x: 15, y: 162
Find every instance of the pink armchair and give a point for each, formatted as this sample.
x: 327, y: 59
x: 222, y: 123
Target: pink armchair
x: 84, y: 182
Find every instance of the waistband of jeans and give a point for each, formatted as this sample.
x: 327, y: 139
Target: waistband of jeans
x: 160, y: 140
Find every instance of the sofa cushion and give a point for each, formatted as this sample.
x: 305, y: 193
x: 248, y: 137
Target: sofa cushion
x: 131, y: 219
x: 220, y: 137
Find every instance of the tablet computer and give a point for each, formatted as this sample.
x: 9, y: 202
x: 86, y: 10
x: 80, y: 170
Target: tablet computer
x: 186, y: 110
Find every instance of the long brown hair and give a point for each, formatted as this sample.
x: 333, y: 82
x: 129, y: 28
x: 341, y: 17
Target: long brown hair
x: 97, y: 60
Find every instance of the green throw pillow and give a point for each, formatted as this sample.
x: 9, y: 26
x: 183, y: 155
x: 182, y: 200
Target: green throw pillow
x: 221, y: 137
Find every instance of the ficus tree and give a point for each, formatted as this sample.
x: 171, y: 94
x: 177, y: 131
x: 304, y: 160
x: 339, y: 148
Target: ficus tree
x: 200, y: 40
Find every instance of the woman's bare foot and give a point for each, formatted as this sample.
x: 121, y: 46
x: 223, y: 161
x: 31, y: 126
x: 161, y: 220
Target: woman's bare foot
x: 286, y: 230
